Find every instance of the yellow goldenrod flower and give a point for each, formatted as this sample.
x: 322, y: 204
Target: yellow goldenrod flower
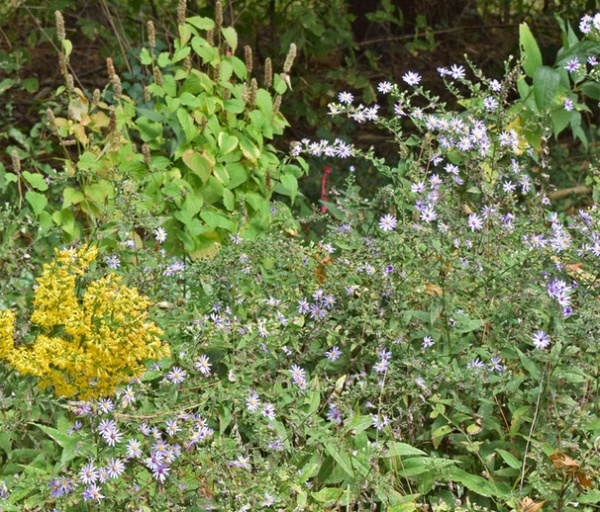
x: 89, y: 346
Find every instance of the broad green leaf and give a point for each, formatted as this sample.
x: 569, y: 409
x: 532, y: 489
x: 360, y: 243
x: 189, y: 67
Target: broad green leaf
x: 36, y: 180
x: 591, y: 90
x: 560, y: 120
x: 185, y: 32
x: 197, y: 163
x: 217, y: 220
x: 145, y: 57
x: 37, y: 201
x: 530, y: 51
x: 227, y: 143
x: 290, y: 183
x: 187, y: 124
x: 164, y: 60
x: 238, y: 174
x: 231, y: 37
x: 529, y: 365
x: 71, y: 196
x: 207, y: 53
x: 182, y: 53
x: 545, y: 85
x: 67, y: 442
x: 220, y: 172
x: 201, y: 23
x: 328, y: 495
x: 228, y: 199
x: 477, y: 483
x: 397, y: 449
x: 67, y: 48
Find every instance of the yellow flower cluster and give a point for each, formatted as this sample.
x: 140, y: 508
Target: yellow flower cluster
x: 91, y: 346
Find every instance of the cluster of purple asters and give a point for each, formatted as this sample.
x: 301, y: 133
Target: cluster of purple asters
x: 321, y: 304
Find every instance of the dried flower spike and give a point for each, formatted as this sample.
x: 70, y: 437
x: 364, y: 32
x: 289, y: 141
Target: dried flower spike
x: 146, y: 153
x: 147, y: 96
x: 60, y: 26
x: 277, y: 104
x: 158, y: 76
x: 116, y: 83
x: 110, y: 67
x: 95, y: 98
x: 52, y: 121
x: 268, y: 72
x: 151, y: 35
x: 289, y: 60
x: 181, y: 8
x: 218, y: 14
x: 70, y: 83
x: 248, y: 58
x: 16, y: 161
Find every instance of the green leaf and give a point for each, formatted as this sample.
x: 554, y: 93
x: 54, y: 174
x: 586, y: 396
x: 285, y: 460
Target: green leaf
x: 31, y: 85
x: 476, y: 483
x: 591, y: 90
x: 71, y: 196
x: 290, y: 184
x: 201, y: 23
x: 227, y: 143
x: 181, y: 53
x: 37, y: 201
x: 328, y: 495
x: 509, y: 458
x: 67, y: 48
x: 231, y: 37
x: 36, y: 180
x: 545, y: 85
x: 341, y: 458
x: 220, y: 172
x: 187, y: 124
x: 208, y: 53
x: 560, y: 120
x: 67, y: 442
x: 397, y: 449
x: 530, y: 51
x: 228, y: 199
x: 145, y: 57
x: 197, y: 163
x: 529, y: 365
x: 217, y: 220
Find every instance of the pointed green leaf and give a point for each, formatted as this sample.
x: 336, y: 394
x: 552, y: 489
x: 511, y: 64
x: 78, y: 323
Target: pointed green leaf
x: 231, y: 37
x: 37, y: 201
x: 545, y: 86
x: 36, y: 180
x: 197, y: 163
x: 530, y: 51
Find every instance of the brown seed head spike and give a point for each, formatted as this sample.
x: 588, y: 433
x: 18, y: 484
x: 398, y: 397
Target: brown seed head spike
x: 289, y: 60
x: 60, y: 26
x: 268, y: 72
x: 110, y: 67
x: 218, y: 15
x: 248, y: 58
x: 181, y: 8
x: 151, y: 35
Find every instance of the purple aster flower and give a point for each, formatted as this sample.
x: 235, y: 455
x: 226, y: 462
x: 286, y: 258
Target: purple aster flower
x: 388, y: 222
x: 333, y: 354
x: 540, y: 339
x: 176, y: 375
x: 411, y: 78
x: 572, y: 65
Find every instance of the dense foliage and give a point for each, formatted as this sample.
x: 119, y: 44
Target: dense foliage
x: 429, y: 345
